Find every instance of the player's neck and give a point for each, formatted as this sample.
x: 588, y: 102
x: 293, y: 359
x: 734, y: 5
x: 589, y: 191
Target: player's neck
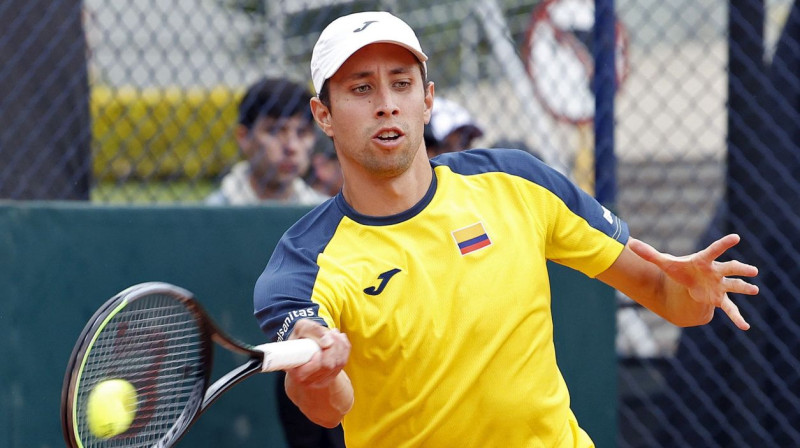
x: 384, y: 197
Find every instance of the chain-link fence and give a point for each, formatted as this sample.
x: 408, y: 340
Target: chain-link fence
x: 135, y: 101
x: 709, y: 143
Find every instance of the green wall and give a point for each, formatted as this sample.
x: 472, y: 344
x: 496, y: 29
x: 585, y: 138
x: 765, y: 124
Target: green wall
x: 60, y: 261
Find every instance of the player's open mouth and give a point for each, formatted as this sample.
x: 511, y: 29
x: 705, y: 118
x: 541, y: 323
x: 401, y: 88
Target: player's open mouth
x: 388, y: 135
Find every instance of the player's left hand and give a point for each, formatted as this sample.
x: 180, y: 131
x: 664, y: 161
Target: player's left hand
x: 707, y: 280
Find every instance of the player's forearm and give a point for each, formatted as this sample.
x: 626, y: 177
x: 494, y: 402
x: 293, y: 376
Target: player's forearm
x: 325, y: 406
x: 648, y: 285
x: 670, y: 300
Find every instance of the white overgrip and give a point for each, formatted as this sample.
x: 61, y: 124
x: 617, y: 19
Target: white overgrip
x: 287, y: 354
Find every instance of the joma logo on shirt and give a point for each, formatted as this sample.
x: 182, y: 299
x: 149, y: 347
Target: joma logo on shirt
x: 384, y: 278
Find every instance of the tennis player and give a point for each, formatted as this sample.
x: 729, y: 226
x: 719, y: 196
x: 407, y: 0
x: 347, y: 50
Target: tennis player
x: 425, y: 281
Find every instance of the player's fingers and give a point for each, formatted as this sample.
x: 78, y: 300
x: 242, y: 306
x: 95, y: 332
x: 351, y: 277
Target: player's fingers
x: 737, y: 268
x: 331, y: 337
x: 720, y: 246
x: 326, y: 338
x: 733, y: 313
x: 739, y: 286
x: 336, y: 355
x: 314, y: 374
x: 301, y: 374
x: 307, y: 328
x: 645, y: 251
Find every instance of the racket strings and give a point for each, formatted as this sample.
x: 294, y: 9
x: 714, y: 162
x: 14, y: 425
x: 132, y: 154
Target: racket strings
x: 154, y: 343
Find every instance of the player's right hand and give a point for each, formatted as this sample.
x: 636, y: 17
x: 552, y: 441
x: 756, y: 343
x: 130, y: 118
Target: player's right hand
x: 324, y: 367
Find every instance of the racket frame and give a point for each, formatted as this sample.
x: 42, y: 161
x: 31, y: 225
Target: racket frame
x: 203, y: 393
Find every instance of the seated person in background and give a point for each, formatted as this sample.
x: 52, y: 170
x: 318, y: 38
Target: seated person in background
x: 275, y: 133
x: 451, y: 128
x: 325, y: 174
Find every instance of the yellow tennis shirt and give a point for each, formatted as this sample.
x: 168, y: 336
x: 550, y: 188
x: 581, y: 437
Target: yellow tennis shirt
x: 447, y: 305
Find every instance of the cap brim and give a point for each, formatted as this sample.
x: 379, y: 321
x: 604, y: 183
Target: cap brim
x: 353, y: 49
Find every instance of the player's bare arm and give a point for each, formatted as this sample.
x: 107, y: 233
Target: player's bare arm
x: 683, y: 290
x: 320, y: 388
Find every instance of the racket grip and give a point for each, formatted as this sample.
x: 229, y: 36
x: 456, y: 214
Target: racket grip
x: 287, y: 354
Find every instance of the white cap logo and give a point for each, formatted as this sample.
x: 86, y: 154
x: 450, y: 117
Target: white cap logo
x: 366, y: 24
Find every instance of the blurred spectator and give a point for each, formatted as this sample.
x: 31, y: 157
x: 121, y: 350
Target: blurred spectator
x: 451, y: 129
x: 275, y: 133
x: 325, y: 174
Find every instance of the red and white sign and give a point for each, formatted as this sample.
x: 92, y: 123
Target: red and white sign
x: 558, y: 57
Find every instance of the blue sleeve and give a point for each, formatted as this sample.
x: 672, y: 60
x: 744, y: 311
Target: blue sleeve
x: 523, y: 164
x: 283, y: 292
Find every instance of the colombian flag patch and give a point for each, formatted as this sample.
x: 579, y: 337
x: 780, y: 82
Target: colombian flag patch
x: 471, y: 238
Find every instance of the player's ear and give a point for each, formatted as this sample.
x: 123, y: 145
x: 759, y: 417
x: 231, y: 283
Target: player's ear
x: 429, y: 89
x: 322, y: 115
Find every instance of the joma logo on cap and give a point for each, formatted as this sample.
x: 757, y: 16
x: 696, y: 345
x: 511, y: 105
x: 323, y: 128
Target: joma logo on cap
x: 364, y: 26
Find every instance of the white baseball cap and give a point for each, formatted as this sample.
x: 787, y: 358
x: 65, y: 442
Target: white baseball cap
x: 348, y: 34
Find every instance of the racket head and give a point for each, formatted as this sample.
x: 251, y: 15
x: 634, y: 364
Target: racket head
x: 155, y: 336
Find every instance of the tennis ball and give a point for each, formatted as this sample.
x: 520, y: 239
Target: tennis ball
x: 111, y: 408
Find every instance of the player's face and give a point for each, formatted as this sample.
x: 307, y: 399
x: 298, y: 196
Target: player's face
x: 379, y: 107
x: 278, y: 149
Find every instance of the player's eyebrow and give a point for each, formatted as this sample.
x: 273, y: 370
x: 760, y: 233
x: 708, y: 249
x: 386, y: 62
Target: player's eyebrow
x: 359, y: 75
x: 367, y: 73
x: 401, y: 70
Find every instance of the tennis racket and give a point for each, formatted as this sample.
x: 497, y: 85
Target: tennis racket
x: 158, y: 339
